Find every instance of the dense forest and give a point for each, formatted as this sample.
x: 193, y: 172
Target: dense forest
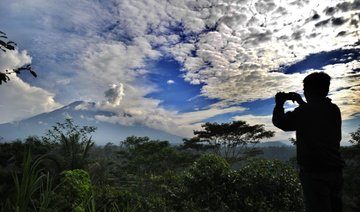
x: 65, y: 171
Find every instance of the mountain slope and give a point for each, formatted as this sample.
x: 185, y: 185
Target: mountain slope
x: 106, y: 132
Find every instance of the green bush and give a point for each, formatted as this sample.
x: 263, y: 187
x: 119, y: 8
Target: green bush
x: 74, y: 192
x: 268, y: 185
x: 261, y: 185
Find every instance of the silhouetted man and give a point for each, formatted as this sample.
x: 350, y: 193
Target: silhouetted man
x: 317, y: 123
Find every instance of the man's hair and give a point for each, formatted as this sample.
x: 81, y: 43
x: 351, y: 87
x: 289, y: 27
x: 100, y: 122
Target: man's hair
x: 317, y: 83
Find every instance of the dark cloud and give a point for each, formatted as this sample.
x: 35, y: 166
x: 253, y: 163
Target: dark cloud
x: 322, y: 23
x: 347, y: 6
x: 256, y: 38
x: 281, y: 11
x: 300, y: 2
x: 356, y: 70
x: 315, y: 17
x: 313, y: 35
x: 233, y: 20
x: 354, y: 22
x: 343, y: 7
x: 338, y: 21
x: 322, y: 59
x: 297, y: 35
x: 265, y: 6
x: 342, y: 33
x: 330, y: 11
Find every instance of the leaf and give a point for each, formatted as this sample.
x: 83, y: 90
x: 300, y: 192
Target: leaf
x: 33, y: 73
x: 2, y: 43
x: 11, y: 42
x: 3, y: 78
x: 10, y: 47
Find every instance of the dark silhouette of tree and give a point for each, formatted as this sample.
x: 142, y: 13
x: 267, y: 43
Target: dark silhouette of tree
x: 228, y: 139
x: 293, y: 141
x: 355, y: 137
x: 6, y: 45
x: 351, y: 154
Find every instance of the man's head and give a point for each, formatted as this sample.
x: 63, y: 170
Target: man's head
x: 316, y: 85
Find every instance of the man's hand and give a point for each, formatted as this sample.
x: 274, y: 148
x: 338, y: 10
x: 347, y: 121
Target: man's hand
x: 280, y: 98
x: 297, y: 98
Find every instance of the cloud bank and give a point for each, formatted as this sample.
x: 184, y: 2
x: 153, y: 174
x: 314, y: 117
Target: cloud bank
x: 104, y: 51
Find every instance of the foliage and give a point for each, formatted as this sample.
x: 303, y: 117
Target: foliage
x: 355, y: 137
x: 207, y: 183
x: 152, y: 175
x: 210, y: 185
x: 32, y: 180
x: 268, y: 177
x: 228, y: 139
x: 150, y: 157
x: 46, y: 191
x: 352, y: 179
x: 28, y: 184
x: 144, y: 162
x: 6, y: 45
x: 74, y: 192
x: 351, y: 155
x: 120, y: 199
x: 14, y: 158
x: 293, y: 141
x: 73, y: 141
x: 67, y: 129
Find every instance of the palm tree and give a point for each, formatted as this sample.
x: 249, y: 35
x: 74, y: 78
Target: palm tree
x: 74, y: 151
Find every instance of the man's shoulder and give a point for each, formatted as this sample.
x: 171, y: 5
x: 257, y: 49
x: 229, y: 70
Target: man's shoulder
x: 333, y: 105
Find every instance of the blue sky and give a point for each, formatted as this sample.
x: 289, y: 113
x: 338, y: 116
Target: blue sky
x: 174, y: 65
x: 173, y: 91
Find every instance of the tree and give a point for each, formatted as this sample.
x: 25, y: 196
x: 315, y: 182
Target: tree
x: 228, y: 139
x: 74, y: 192
x: 351, y: 154
x: 144, y: 156
x: 355, y: 137
x: 207, y: 184
x: 6, y: 45
x: 74, y: 143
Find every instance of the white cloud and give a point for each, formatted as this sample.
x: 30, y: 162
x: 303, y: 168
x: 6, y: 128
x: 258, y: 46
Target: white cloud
x: 147, y: 112
x: 345, y: 88
x: 20, y: 100
x: 115, y: 94
x: 13, y: 59
x: 170, y: 82
x: 228, y: 46
x: 267, y: 122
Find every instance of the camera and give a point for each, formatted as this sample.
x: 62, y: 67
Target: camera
x: 287, y: 96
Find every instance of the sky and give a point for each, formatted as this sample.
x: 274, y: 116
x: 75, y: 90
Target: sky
x: 176, y: 64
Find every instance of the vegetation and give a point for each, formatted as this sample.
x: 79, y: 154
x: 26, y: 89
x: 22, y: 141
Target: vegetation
x: 65, y: 171
x: 351, y: 173
x: 228, y: 139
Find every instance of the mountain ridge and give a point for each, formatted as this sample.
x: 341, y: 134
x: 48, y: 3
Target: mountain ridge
x: 83, y: 114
